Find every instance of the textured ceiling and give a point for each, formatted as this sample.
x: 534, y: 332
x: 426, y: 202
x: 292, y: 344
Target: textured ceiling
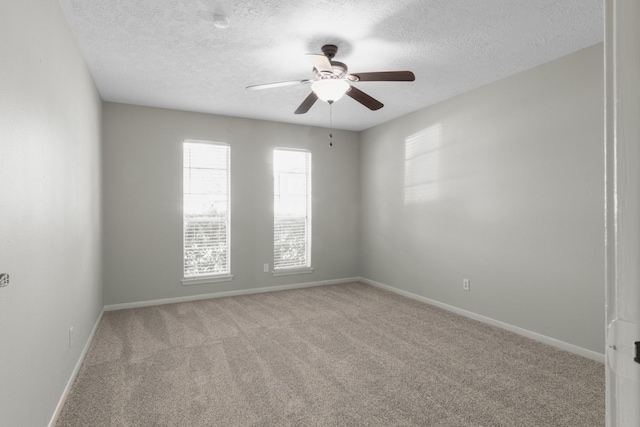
x: 168, y: 53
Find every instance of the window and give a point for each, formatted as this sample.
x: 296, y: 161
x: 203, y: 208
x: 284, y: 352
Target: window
x: 292, y: 211
x: 206, y: 212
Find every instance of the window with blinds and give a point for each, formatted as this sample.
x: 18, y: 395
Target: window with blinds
x: 292, y: 209
x: 206, y: 209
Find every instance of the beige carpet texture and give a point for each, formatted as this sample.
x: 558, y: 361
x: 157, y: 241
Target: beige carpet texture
x: 339, y: 355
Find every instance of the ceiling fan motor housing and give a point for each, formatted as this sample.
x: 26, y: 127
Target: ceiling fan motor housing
x: 339, y: 71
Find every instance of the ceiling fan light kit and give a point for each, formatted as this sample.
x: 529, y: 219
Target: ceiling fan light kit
x: 330, y: 90
x: 331, y: 81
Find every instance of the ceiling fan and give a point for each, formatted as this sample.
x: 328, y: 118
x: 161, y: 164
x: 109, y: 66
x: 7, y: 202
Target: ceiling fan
x: 331, y: 81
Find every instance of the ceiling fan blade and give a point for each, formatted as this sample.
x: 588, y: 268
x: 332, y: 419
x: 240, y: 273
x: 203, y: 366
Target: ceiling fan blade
x: 383, y: 76
x: 307, y: 103
x: 364, y: 99
x: 279, y: 84
x: 322, y: 63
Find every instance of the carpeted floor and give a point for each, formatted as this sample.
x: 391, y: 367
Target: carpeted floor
x: 342, y: 355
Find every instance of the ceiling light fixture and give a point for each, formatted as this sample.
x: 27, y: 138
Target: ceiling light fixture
x: 330, y: 90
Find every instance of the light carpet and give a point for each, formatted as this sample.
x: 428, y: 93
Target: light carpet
x: 340, y: 355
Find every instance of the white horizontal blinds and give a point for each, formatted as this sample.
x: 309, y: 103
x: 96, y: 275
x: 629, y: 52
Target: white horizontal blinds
x: 292, y: 208
x: 206, y: 209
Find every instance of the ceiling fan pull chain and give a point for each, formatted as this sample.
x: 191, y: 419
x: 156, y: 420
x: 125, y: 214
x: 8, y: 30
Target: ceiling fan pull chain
x: 331, y: 124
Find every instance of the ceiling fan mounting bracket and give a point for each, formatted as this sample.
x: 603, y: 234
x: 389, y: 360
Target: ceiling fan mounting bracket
x: 329, y: 50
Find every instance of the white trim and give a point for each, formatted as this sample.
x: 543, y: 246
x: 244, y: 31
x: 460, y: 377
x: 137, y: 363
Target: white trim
x: 292, y: 271
x: 150, y: 303
x: 74, y: 373
x: 589, y: 354
x: 203, y: 280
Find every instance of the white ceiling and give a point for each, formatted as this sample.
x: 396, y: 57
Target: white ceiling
x: 168, y: 53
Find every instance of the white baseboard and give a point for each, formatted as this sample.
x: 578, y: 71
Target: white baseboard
x: 74, y: 374
x: 530, y: 334
x: 149, y: 303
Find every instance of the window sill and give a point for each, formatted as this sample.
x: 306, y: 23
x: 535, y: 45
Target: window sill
x: 206, y: 280
x: 292, y: 271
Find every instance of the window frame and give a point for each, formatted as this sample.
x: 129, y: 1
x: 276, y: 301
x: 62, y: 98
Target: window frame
x: 205, y: 278
x: 296, y: 269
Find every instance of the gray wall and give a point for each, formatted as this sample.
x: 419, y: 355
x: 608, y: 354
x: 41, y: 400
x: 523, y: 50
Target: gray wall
x: 49, y: 208
x: 507, y: 191
x: 143, y: 201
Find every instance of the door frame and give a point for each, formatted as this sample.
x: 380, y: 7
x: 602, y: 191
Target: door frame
x: 622, y: 210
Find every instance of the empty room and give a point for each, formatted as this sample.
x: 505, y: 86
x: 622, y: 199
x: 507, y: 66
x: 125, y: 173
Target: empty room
x: 270, y: 213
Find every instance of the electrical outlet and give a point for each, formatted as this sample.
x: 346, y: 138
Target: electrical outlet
x: 71, y: 337
x: 265, y: 268
x: 4, y: 279
x: 466, y: 285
